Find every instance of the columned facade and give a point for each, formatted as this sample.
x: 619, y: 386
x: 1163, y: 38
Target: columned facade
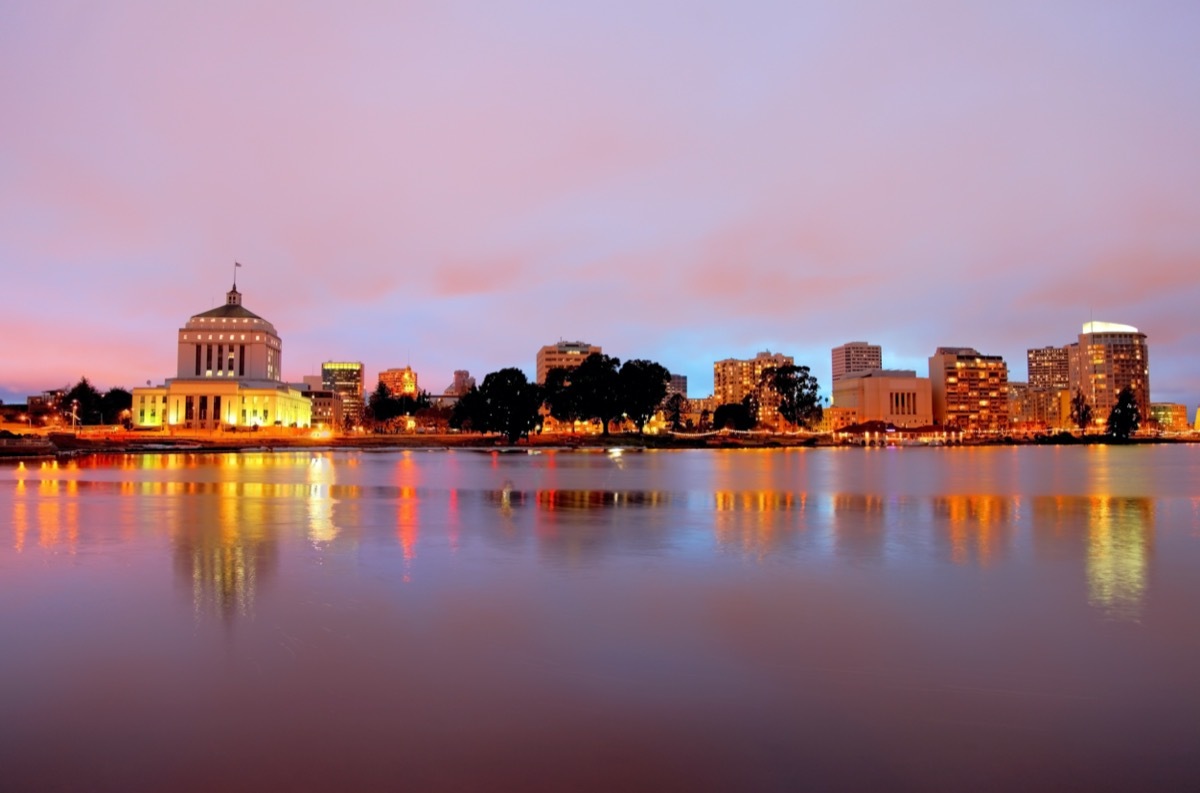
x: 228, y: 376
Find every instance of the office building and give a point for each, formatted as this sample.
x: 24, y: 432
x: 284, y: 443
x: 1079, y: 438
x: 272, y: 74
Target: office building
x: 856, y: 356
x: 1106, y: 359
x: 677, y: 385
x: 563, y: 355
x: 400, y: 382
x: 970, y: 391
x: 1049, y: 368
x: 228, y: 368
x: 345, y: 378
x: 894, y: 396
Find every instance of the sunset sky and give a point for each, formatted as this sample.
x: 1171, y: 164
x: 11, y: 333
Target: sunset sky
x: 452, y: 185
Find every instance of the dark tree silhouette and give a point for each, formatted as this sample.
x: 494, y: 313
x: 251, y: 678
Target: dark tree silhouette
x: 1126, y: 416
x: 736, y: 415
x: 468, y: 412
x: 799, y: 402
x: 85, y: 400
x: 508, y: 404
x: 673, y: 411
x: 1081, y: 411
x: 596, y: 383
x: 643, y: 385
x: 113, y: 403
x: 561, y: 398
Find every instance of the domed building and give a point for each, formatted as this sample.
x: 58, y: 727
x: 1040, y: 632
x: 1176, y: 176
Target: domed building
x: 228, y: 376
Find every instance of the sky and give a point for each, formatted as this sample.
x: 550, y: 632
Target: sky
x: 452, y: 185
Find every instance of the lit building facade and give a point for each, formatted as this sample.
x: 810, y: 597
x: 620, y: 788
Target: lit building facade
x: 735, y: 378
x: 227, y: 376
x: 564, y: 355
x: 400, y: 382
x: 856, y: 356
x: 893, y: 396
x: 1108, y: 358
x: 970, y: 391
x: 345, y: 378
x: 1169, y: 416
x: 1049, y: 367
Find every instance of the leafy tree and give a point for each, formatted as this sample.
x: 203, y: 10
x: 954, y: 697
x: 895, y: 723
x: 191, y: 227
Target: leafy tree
x: 673, y: 411
x: 114, y: 401
x: 643, y: 385
x: 1081, y: 411
x: 381, y: 406
x: 799, y: 402
x: 736, y: 415
x: 562, y: 400
x: 469, y: 412
x: 507, y: 403
x: 597, y: 387
x: 1126, y: 416
x: 84, y: 399
x: 705, y: 420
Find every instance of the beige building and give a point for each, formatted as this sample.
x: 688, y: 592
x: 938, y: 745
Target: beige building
x: 893, y: 396
x: 227, y: 376
x: 564, y: 355
x: 970, y: 391
x: 856, y: 356
x: 735, y: 378
x: 1107, y: 358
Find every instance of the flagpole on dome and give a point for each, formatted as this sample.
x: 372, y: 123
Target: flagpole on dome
x: 236, y: 265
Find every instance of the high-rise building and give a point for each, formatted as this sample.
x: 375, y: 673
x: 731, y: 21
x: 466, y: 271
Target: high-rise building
x: 897, y: 397
x: 970, y: 390
x: 1108, y: 358
x: 463, y: 382
x: 677, y: 385
x: 1049, y: 367
x: 400, y: 382
x: 227, y: 376
x: 563, y: 355
x: 345, y: 378
x: 856, y: 356
x: 735, y: 378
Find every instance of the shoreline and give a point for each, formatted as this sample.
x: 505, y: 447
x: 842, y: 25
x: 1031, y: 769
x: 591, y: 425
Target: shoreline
x: 74, y: 445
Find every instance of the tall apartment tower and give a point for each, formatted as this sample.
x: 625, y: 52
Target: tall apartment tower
x: 1049, y: 368
x: 856, y: 356
x: 345, y: 378
x: 564, y: 355
x: 734, y: 378
x: 970, y: 390
x: 1107, y: 358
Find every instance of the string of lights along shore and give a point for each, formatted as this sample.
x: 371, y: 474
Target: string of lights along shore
x: 230, y: 378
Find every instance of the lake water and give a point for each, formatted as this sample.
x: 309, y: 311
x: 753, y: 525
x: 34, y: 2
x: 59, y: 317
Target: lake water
x: 829, y: 619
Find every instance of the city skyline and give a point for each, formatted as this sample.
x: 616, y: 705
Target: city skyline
x: 455, y: 187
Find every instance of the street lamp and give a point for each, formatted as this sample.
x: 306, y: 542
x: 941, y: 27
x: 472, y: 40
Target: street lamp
x: 74, y: 413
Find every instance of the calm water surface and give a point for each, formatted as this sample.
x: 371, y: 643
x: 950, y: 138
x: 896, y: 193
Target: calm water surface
x: 904, y: 619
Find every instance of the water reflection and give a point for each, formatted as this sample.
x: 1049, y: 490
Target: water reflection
x: 1119, y: 536
x: 225, y: 545
x: 979, y: 527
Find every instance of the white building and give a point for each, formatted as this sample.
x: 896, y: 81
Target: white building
x: 227, y: 376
